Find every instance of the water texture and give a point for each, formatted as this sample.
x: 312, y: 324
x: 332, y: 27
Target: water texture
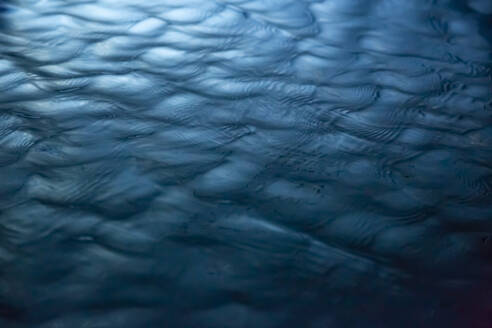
x: 245, y: 163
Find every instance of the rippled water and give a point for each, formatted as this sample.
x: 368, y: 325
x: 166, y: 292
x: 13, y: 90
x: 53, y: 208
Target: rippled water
x: 246, y: 163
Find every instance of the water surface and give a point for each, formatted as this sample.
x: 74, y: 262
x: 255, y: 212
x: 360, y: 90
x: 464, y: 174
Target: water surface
x: 245, y: 163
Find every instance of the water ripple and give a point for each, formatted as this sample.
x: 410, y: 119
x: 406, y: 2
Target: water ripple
x: 245, y: 163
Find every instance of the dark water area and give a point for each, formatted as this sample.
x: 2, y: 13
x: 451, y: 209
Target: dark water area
x: 246, y: 163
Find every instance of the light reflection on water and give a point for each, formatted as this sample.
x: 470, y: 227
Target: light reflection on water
x: 269, y: 163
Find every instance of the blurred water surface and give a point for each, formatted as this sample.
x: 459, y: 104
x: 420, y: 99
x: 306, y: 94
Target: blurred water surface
x: 245, y: 163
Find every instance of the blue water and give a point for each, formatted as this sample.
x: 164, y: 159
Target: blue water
x: 246, y: 163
